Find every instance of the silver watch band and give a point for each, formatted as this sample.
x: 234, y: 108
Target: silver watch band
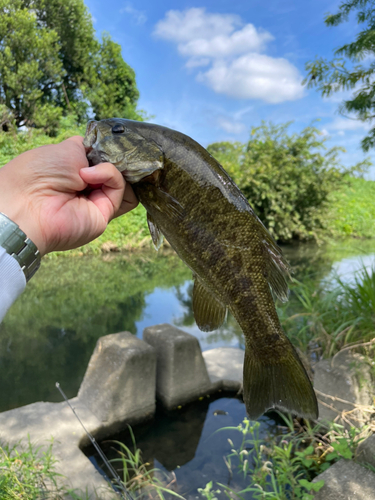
x: 19, y: 246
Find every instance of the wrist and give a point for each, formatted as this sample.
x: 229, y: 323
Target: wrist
x: 19, y: 246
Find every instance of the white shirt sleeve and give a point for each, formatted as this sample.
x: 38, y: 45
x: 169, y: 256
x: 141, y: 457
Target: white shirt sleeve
x: 12, y: 281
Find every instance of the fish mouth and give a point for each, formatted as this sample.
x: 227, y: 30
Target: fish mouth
x: 90, y: 141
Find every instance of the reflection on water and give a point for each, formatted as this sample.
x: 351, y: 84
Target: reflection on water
x: 189, y: 442
x: 50, y: 332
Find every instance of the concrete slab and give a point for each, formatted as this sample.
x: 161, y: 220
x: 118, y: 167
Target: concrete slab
x: 42, y: 421
x: 346, y: 377
x: 225, y: 367
x: 365, y: 453
x: 181, y: 372
x: 346, y: 480
x: 119, y: 383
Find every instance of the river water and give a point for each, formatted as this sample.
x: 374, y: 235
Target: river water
x: 50, y: 332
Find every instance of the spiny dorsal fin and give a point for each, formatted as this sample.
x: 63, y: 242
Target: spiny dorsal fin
x: 209, y: 312
x: 156, y: 234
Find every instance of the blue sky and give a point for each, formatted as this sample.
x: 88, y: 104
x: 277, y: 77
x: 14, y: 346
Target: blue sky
x: 214, y: 69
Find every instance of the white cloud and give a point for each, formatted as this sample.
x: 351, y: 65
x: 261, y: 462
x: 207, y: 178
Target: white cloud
x: 230, y: 126
x: 343, y: 124
x: 232, y: 51
x: 255, y: 76
x: 138, y: 15
x: 194, y: 23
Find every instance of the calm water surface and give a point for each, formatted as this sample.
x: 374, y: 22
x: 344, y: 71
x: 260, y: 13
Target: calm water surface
x: 50, y: 332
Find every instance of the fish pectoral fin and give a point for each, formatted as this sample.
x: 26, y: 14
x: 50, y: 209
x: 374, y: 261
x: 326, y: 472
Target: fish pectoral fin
x: 209, y: 312
x: 282, y: 384
x: 156, y: 235
x: 168, y: 205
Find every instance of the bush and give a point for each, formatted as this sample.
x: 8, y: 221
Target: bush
x: 286, y: 178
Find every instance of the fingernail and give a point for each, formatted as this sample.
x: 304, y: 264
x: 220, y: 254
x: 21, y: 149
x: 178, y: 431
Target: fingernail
x: 88, y: 168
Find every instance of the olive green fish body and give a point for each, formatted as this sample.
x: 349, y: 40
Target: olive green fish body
x: 192, y: 201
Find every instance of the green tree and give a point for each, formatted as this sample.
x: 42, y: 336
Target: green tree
x: 29, y: 67
x: 52, y: 65
x: 114, y: 92
x: 352, y: 68
x: 286, y: 178
x: 78, y: 47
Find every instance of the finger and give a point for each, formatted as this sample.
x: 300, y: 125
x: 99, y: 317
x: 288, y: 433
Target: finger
x: 129, y: 201
x: 109, y: 197
x: 76, y: 138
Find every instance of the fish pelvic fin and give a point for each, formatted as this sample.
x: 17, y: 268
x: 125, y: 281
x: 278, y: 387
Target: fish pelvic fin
x: 156, y: 234
x: 282, y: 386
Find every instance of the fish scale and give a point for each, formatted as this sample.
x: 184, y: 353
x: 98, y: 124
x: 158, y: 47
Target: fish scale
x: 192, y: 201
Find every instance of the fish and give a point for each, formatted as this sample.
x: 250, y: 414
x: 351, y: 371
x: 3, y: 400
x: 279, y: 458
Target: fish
x: 236, y: 264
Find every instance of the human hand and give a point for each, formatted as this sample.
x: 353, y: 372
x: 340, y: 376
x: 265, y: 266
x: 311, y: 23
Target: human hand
x: 41, y: 190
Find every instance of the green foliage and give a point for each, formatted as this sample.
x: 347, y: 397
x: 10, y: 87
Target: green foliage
x: 138, y: 477
x: 115, y: 93
x: 29, y: 66
x: 13, y: 142
x: 332, y: 317
x: 352, y: 67
x: 352, y: 210
x: 284, y: 466
x: 287, y: 179
x: 52, y: 65
x: 27, y: 473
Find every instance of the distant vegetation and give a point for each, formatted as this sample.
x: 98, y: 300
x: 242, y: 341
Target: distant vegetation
x: 55, y: 75
x: 296, y: 185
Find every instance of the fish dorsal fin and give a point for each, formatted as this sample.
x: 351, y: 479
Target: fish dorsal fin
x: 156, y: 234
x: 209, y: 312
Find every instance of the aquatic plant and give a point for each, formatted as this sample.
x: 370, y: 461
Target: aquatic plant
x: 284, y: 466
x: 139, y: 478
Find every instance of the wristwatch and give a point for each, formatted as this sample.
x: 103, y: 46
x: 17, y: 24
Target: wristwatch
x: 19, y: 246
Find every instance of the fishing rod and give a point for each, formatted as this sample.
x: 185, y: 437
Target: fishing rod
x: 120, y: 487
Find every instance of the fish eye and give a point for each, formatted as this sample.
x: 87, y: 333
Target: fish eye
x: 118, y: 129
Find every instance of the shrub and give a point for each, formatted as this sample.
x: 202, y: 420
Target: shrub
x: 286, y: 178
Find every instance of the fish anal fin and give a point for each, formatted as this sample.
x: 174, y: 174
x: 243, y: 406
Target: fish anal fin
x: 156, y: 234
x: 282, y: 385
x: 209, y: 312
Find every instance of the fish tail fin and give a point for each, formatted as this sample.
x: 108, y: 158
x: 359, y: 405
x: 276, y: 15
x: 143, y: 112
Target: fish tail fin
x: 282, y: 385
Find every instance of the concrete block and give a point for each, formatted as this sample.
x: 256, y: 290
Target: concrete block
x: 346, y: 480
x: 365, y: 453
x: 347, y: 377
x: 181, y: 371
x: 40, y: 422
x: 225, y: 367
x: 119, y: 383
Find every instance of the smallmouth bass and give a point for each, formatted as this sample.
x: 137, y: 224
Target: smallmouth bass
x: 195, y: 205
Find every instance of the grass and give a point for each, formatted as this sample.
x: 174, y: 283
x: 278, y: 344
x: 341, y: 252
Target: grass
x: 28, y: 473
x: 326, y: 319
x: 352, y: 211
